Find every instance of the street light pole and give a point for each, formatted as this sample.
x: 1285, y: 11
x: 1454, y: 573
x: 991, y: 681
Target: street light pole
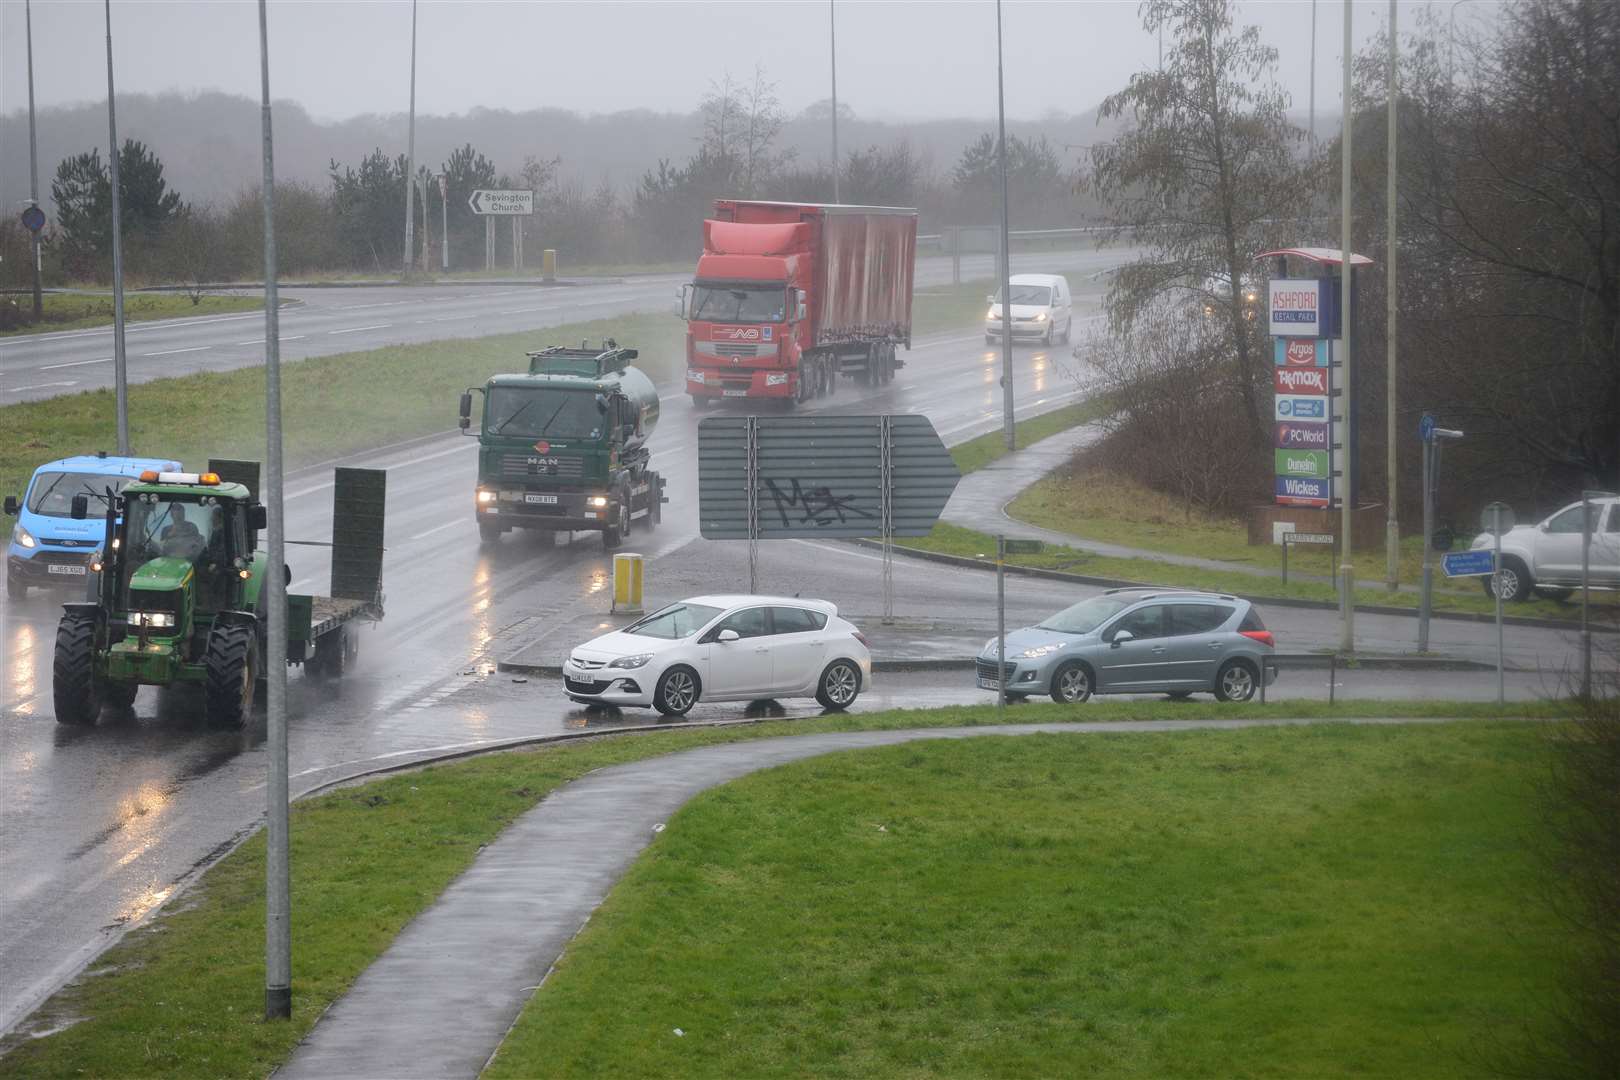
x: 1392, y: 522
x: 1006, y: 252
x: 1347, y: 542
x: 120, y: 374
x: 33, y: 159
x: 832, y: 29
x: 277, y: 891
x: 410, y: 156
x: 1312, y: 132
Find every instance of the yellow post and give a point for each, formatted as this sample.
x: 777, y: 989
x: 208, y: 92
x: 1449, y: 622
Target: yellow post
x: 548, y: 264
x: 627, y: 570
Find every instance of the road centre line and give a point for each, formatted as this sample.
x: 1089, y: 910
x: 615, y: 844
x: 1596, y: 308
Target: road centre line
x: 77, y: 363
x: 40, y: 386
x: 357, y: 329
x: 440, y: 528
x: 172, y: 352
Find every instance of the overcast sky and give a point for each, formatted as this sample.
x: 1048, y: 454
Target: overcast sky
x: 917, y: 60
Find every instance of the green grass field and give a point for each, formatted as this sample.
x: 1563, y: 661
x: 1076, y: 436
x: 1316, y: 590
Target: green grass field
x: 79, y: 311
x: 976, y: 453
x: 183, y: 996
x: 1296, y: 903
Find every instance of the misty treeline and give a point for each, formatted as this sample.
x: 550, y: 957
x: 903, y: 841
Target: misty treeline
x: 1508, y: 289
x: 354, y: 220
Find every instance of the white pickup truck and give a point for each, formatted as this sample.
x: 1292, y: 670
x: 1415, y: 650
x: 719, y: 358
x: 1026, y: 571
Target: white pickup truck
x: 1546, y: 557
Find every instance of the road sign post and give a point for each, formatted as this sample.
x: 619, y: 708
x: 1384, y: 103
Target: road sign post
x: 490, y: 205
x: 1586, y: 586
x: 1001, y: 626
x: 1498, y: 518
x: 1434, y: 438
x: 1302, y: 538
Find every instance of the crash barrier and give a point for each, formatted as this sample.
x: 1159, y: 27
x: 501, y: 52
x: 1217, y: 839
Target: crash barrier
x: 627, y: 572
x: 1277, y: 661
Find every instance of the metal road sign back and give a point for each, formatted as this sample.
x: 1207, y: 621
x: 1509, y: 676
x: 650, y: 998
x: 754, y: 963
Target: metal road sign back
x: 501, y: 202
x: 1468, y: 563
x: 793, y: 477
x: 1490, y: 522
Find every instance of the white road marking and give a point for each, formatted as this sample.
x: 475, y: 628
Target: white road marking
x: 440, y: 528
x: 357, y: 329
x: 77, y: 363
x: 171, y: 352
x: 446, y: 318
x: 41, y: 386
x: 284, y: 337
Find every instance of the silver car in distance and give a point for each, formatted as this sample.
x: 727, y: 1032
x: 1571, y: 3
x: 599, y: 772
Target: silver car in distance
x: 1138, y: 641
x: 723, y: 648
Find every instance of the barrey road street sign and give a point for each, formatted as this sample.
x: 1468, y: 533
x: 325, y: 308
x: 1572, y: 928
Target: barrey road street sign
x: 1022, y: 547
x: 501, y: 202
x: 1308, y: 538
x: 1468, y: 563
x: 792, y: 477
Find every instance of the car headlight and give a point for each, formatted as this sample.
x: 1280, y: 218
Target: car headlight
x: 776, y: 378
x: 596, y: 500
x: 1038, y: 651
x: 991, y: 314
x: 989, y: 648
x: 1040, y: 316
x: 20, y: 535
x: 639, y: 660
x: 694, y: 375
x: 486, y: 496
x: 151, y: 618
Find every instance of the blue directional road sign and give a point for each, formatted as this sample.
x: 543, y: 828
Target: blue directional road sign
x: 33, y: 219
x: 1426, y: 427
x: 1467, y: 563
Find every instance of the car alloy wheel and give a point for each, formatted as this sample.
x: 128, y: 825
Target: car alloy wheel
x: 1071, y: 684
x: 1236, y: 682
x: 677, y: 692
x: 839, y: 685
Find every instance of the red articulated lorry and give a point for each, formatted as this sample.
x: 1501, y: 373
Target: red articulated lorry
x: 788, y: 296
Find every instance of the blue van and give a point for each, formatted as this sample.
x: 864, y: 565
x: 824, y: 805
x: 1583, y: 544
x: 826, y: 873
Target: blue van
x: 48, y: 547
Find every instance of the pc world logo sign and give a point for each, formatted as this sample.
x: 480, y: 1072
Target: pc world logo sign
x: 1295, y: 435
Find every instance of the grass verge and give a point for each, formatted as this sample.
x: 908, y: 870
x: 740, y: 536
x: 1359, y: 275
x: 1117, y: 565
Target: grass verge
x: 970, y: 544
x: 183, y: 996
x: 1299, y: 902
x: 976, y: 453
x: 77, y: 311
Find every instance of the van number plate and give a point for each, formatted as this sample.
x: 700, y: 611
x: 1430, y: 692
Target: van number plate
x: 544, y: 500
x: 60, y: 568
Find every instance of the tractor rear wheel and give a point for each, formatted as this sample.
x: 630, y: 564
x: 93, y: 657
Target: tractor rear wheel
x: 332, y: 655
x: 74, y: 684
x: 232, y: 665
x: 119, y: 695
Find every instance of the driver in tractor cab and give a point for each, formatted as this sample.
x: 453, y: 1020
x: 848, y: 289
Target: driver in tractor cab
x: 181, y: 539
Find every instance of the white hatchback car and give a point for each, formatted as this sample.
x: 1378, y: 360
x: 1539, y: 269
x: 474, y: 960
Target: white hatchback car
x: 723, y: 648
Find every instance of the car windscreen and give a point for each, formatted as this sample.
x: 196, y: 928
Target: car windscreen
x: 1087, y: 615
x: 543, y: 412
x: 1037, y: 295
x: 675, y: 621
x: 721, y: 303
x: 52, y: 493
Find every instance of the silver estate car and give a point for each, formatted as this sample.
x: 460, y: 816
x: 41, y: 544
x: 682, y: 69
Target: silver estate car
x: 1138, y: 641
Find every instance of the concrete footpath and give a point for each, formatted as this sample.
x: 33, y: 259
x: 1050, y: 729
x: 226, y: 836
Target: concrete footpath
x: 442, y: 997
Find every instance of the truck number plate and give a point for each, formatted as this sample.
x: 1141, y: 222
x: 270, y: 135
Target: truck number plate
x: 545, y: 500
x: 734, y: 393
x: 59, y: 568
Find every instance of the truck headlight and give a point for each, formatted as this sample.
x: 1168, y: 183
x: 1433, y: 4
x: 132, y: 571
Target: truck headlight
x: 596, y: 500
x: 20, y: 535
x: 636, y: 661
x: 155, y: 619
x: 776, y: 378
x: 694, y: 375
x: 95, y: 562
x: 486, y: 496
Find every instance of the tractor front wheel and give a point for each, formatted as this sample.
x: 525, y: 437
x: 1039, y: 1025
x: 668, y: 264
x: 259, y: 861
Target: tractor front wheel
x: 232, y: 669
x: 74, y: 683
x: 489, y: 531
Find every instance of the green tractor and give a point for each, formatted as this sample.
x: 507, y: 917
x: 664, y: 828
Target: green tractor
x: 179, y: 591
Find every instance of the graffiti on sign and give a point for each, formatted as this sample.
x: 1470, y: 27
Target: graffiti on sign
x: 817, y: 506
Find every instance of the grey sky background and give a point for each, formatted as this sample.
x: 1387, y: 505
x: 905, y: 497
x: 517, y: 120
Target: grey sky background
x: 896, y: 61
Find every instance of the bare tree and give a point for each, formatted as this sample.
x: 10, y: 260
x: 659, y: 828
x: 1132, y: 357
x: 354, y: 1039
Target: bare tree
x: 1203, y: 175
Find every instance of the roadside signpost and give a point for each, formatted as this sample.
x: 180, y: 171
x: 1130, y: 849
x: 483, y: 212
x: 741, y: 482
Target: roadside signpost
x: 1497, y: 519
x: 1479, y: 563
x: 1004, y: 548
x: 821, y: 477
x: 33, y: 219
x: 1327, y: 539
x: 1586, y: 584
x: 490, y: 205
x: 1434, y: 437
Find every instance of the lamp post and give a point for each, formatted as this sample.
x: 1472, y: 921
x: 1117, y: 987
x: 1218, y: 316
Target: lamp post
x: 1347, y: 569
x: 1392, y: 521
x: 832, y: 30
x: 120, y: 372
x: 410, y: 157
x: 33, y: 159
x: 1006, y: 252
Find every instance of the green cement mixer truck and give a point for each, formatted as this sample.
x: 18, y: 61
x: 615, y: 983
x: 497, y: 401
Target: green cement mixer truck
x: 564, y: 447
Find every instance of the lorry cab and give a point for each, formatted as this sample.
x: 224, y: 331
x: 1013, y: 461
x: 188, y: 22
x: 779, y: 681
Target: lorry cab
x: 49, y: 547
x: 1042, y: 309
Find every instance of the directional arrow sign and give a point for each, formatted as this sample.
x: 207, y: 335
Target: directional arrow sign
x: 791, y: 477
x: 504, y: 203
x: 1468, y: 563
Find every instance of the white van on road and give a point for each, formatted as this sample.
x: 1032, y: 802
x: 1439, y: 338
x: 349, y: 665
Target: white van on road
x: 1041, y: 309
